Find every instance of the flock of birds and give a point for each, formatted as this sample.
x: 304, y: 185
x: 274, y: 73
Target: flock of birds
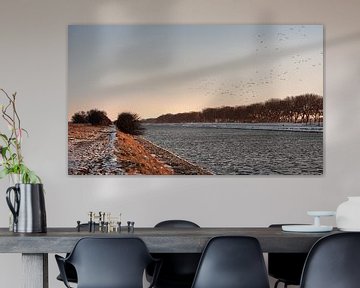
x: 277, y: 63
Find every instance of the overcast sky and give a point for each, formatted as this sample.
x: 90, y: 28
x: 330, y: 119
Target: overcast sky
x: 157, y: 69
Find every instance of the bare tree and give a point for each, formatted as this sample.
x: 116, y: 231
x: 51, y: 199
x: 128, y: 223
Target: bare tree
x: 79, y: 117
x: 97, y: 117
x: 129, y: 123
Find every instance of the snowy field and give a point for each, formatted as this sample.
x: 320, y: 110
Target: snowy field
x: 244, y: 149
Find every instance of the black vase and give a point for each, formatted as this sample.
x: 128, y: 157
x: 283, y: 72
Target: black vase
x: 28, y: 208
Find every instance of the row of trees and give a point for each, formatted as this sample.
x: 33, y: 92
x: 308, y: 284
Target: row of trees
x: 307, y: 108
x: 126, y: 122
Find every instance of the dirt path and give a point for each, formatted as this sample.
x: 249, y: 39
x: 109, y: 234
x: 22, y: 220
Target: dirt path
x: 102, y: 150
x: 91, y: 151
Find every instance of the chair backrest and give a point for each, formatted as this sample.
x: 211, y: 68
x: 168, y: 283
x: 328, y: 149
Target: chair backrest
x: 176, y: 224
x: 110, y: 262
x: 232, y: 262
x: 333, y: 262
x: 178, y: 269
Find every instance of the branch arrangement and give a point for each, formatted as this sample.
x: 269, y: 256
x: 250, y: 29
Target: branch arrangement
x: 11, y: 159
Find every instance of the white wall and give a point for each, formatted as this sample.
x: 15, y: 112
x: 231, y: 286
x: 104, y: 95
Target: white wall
x: 33, y: 62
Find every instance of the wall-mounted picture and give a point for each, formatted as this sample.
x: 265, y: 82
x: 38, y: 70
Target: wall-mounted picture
x: 195, y: 100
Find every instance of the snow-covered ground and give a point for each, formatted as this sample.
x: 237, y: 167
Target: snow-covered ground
x: 244, y: 149
x: 294, y: 127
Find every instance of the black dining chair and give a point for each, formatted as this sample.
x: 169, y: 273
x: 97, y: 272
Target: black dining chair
x: 70, y: 271
x: 178, y: 269
x: 333, y: 262
x: 108, y: 263
x: 286, y: 267
x: 232, y: 262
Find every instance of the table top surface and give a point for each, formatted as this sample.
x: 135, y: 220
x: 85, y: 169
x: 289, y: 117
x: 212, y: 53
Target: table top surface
x: 158, y: 240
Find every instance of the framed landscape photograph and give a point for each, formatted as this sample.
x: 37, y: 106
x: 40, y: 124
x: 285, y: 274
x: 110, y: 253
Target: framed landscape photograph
x: 195, y: 100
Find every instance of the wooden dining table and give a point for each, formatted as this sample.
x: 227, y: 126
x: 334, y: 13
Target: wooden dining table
x: 35, y: 247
